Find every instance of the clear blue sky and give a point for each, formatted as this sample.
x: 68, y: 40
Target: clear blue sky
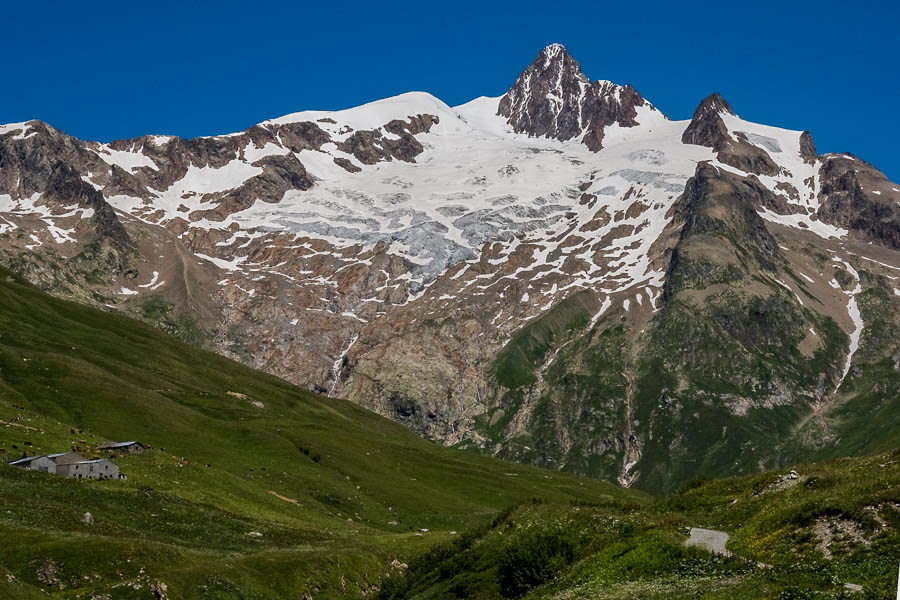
x: 106, y: 70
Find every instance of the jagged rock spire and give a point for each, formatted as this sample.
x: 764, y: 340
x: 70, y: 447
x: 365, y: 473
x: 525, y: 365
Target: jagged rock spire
x: 554, y: 98
x: 808, y: 148
x: 714, y: 103
x: 546, y: 97
x: 707, y: 127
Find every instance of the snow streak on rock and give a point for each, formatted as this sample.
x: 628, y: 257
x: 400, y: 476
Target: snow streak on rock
x: 855, y: 318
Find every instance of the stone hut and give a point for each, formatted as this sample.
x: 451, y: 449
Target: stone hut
x: 70, y: 464
x: 99, y: 468
x: 130, y: 447
x: 47, y: 463
x: 35, y: 463
x: 65, y: 458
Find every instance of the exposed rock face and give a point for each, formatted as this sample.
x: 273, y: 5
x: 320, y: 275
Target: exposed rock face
x: 170, y: 158
x: 68, y: 172
x: 531, y: 109
x: 47, y: 162
x: 173, y: 158
x: 857, y: 196
x: 280, y: 175
x: 554, y: 98
x: 808, y: 148
x: 747, y: 157
x: 370, y: 147
x: 707, y: 128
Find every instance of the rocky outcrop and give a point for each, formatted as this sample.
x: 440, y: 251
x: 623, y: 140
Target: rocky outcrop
x: 747, y: 157
x: 808, y: 148
x: 858, y: 197
x: 719, y: 209
x: 30, y: 157
x: 280, y: 175
x: 554, y: 98
x: 606, y: 104
x: 707, y: 128
x: 371, y: 146
x: 546, y: 98
x: 46, y: 162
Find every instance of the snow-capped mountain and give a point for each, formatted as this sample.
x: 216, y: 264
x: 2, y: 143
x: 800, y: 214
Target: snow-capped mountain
x: 552, y: 275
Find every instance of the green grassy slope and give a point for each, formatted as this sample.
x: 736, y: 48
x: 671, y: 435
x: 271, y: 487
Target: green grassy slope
x: 778, y: 525
x: 334, y: 492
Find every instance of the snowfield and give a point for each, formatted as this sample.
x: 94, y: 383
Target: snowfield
x: 475, y: 183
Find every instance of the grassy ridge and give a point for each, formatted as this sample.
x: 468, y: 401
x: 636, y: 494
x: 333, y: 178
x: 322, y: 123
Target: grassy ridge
x: 336, y: 492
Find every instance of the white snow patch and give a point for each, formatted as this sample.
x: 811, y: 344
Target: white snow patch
x: 152, y: 282
x: 209, y: 180
x: 228, y: 265
x: 128, y: 161
x: 855, y: 317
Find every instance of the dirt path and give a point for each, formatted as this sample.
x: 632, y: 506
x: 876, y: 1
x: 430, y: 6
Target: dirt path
x: 709, y: 539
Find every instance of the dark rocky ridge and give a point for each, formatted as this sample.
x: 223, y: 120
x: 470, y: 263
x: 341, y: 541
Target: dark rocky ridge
x: 554, y: 98
x: 707, y: 128
x: 858, y: 197
x: 26, y: 165
x: 49, y: 162
x: 808, y: 148
x: 719, y: 205
x: 370, y: 147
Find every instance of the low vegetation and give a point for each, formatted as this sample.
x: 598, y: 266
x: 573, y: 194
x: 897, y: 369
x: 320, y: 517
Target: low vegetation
x: 794, y: 534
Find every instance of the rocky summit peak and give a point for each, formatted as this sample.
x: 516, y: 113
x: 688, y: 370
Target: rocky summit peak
x: 554, y: 98
x: 707, y: 127
x: 554, y: 48
x: 714, y: 104
x: 556, y: 58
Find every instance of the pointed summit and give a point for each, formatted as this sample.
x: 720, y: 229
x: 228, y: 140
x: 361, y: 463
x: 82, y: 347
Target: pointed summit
x: 714, y: 103
x: 556, y: 59
x: 545, y: 99
x: 707, y: 127
x: 554, y: 98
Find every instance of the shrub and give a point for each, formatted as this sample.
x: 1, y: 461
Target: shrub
x: 795, y: 593
x: 534, y: 560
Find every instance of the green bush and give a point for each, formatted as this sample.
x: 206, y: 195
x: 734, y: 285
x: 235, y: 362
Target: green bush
x: 795, y: 593
x: 533, y: 561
